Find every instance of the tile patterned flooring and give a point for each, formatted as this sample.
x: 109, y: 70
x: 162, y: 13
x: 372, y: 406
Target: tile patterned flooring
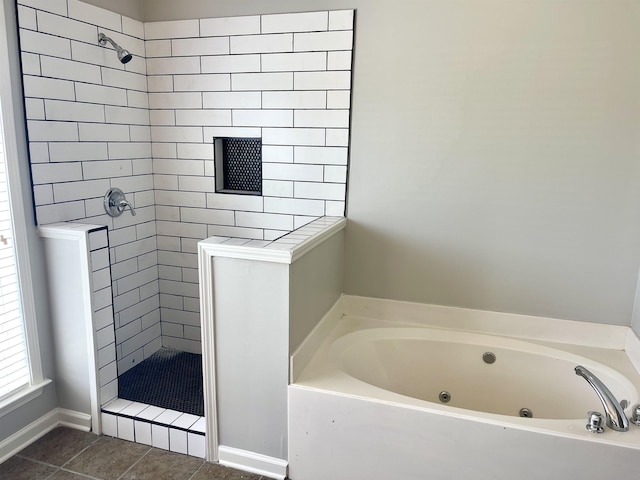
x: 67, y: 454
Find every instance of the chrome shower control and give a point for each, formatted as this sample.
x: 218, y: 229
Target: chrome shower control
x: 115, y: 203
x: 595, y: 422
x: 635, y: 414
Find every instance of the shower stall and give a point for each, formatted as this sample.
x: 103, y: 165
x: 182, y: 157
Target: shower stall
x: 144, y: 120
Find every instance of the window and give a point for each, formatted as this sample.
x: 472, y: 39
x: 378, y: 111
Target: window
x: 14, y: 367
x: 21, y: 377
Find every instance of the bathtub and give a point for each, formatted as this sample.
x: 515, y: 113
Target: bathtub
x: 391, y: 390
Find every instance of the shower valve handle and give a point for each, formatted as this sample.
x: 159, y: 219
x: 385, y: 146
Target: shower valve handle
x: 115, y: 203
x: 122, y: 206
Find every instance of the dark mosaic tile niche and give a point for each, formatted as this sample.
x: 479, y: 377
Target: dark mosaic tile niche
x: 238, y: 165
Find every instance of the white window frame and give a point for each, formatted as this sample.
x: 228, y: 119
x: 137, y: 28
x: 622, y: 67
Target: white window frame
x: 20, y: 228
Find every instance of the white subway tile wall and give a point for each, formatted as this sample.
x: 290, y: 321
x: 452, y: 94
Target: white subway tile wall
x: 147, y: 127
x: 284, y: 78
x: 103, y: 314
x: 89, y: 127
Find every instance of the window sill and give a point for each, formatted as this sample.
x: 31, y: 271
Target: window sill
x: 21, y: 397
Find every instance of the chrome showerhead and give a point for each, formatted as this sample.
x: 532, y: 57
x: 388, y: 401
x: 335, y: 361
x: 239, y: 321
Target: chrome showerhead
x: 123, y: 55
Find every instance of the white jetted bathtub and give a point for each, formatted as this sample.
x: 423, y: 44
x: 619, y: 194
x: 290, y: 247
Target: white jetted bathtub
x: 475, y: 372
x: 382, y: 390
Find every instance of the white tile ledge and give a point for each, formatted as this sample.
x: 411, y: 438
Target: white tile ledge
x: 67, y: 230
x: 281, y: 250
x: 160, y: 416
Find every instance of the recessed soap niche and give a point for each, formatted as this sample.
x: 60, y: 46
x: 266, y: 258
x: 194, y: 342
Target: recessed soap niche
x: 238, y: 165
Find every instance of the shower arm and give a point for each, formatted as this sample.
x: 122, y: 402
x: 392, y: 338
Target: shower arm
x: 123, y: 55
x: 103, y: 39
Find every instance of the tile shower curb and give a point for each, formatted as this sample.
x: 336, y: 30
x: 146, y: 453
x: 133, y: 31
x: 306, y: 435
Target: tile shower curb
x: 153, y: 422
x: 189, y: 440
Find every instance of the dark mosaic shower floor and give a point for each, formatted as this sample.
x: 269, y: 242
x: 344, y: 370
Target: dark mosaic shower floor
x: 167, y: 379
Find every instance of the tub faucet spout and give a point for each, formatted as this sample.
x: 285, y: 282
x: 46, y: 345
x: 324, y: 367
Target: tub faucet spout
x: 616, y: 419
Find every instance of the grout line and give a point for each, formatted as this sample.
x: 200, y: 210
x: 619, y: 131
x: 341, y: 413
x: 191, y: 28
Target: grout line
x: 83, y: 475
x: 53, y: 473
x: 204, y: 462
x: 137, y: 461
x: 81, y: 451
x: 32, y: 460
x: 57, y: 467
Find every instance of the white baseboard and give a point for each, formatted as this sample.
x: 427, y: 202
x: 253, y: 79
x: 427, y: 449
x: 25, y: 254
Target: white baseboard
x: 77, y: 420
x: 40, y: 427
x: 253, y: 462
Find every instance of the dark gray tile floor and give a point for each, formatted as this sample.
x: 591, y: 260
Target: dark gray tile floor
x: 67, y: 454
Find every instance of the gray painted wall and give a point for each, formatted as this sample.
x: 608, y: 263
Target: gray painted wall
x: 130, y: 8
x: 23, y: 416
x: 315, y: 284
x: 635, y: 321
x: 502, y: 174
x: 251, y: 354
x: 493, y: 152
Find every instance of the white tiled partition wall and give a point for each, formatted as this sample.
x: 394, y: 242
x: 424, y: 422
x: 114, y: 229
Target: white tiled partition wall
x: 147, y: 127
x: 81, y: 309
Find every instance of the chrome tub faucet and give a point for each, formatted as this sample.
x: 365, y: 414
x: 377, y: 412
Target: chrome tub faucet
x: 614, y: 413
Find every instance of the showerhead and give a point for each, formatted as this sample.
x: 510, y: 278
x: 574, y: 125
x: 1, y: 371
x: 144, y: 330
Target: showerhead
x: 123, y: 55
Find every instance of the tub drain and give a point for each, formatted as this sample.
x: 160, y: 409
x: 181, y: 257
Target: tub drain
x: 444, y: 396
x: 489, y: 357
x: 526, y: 413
